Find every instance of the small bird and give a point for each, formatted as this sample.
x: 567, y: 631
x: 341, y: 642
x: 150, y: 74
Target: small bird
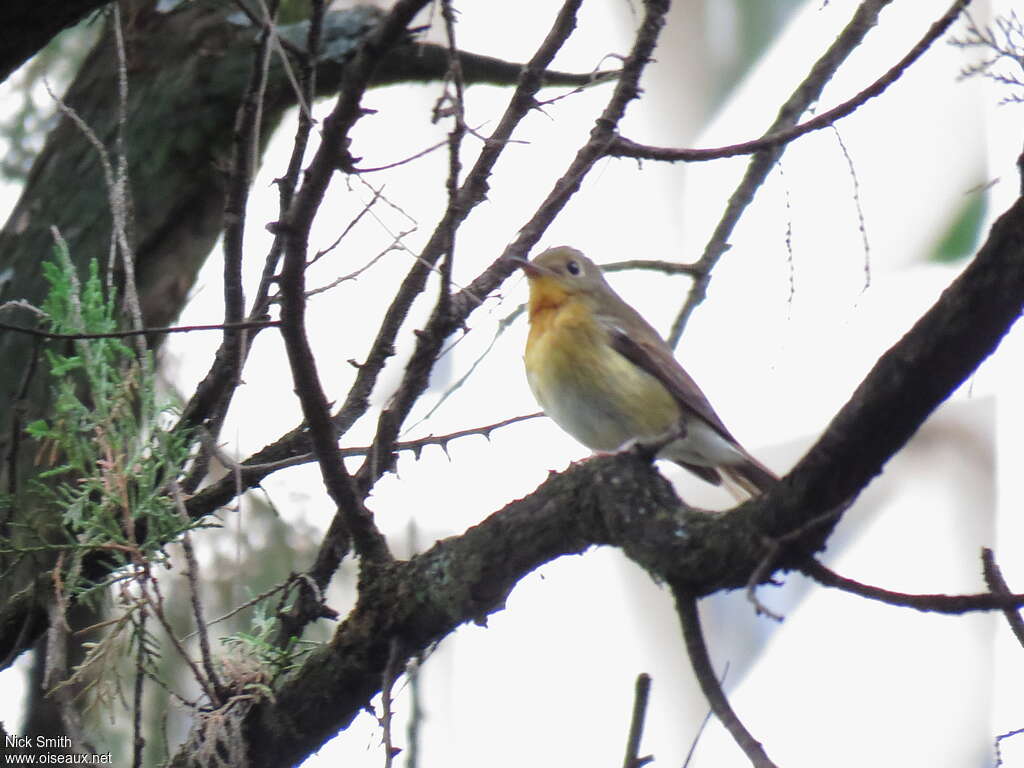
x: 606, y: 377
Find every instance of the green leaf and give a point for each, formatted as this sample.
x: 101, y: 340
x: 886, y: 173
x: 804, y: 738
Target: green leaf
x: 38, y: 429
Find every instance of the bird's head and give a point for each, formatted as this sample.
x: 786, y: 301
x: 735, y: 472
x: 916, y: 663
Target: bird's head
x: 560, y: 273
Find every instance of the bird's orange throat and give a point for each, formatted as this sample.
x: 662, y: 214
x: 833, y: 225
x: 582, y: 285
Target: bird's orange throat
x: 546, y: 298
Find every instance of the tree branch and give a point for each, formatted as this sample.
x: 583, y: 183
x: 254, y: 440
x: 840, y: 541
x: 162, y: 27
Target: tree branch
x: 962, y: 328
x: 352, y: 519
x: 623, y: 147
x: 997, y: 584
x: 689, y: 619
x: 29, y: 25
x: 36, y: 333
x: 761, y: 163
x: 934, y: 603
x: 441, y: 325
x: 622, y: 501
x: 636, y: 723
x: 472, y: 191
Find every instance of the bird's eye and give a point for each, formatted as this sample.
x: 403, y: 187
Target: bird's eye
x: 572, y: 267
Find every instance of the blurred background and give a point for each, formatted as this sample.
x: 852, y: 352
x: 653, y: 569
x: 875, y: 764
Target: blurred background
x: 853, y: 236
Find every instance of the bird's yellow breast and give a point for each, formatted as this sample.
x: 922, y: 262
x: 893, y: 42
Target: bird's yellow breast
x: 587, y: 387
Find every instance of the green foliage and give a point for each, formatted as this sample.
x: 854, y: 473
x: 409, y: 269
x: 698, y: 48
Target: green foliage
x: 272, y: 661
x: 108, y: 444
x: 964, y: 234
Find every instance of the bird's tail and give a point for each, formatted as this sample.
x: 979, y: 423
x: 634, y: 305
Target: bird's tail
x: 747, y: 478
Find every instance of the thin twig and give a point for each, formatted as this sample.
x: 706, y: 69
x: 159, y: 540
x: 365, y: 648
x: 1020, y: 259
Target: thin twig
x: 623, y: 147
x: 503, y: 325
x: 440, y: 327
x: 782, y: 131
x: 653, y: 265
x: 471, y: 193
x: 396, y: 245
x: 348, y: 228
x: 998, y: 586
x: 121, y: 193
x: 860, y: 208
x: 39, y: 334
x: 192, y: 574
x: 703, y: 723
x: 22, y: 304
x: 759, y: 574
x: 390, y: 674
x: 245, y: 151
x: 686, y: 607
x: 157, y: 604
x: 352, y: 520
x: 247, y: 604
x: 213, y: 395
x: 999, y: 744
x: 933, y: 603
x: 404, y: 161
x: 602, y: 136
x: 641, y: 695
x: 258, y: 466
x: 455, y: 138
x: 117, y: 200
x: 774, y: 546
x: 56, y: 675
x: 138, y: 739
x: 257, y: 22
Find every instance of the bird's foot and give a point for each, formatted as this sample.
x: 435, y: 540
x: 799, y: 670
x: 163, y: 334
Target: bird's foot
x: 644, y: 449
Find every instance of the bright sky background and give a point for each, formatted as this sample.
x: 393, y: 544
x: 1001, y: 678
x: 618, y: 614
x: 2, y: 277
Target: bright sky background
x: 778, y: 346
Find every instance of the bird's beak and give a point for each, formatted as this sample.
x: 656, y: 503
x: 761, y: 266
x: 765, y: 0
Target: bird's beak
x: 531, y: 269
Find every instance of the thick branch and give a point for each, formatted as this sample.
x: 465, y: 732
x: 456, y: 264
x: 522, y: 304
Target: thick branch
x: 188, y: 71
x: 623, y: 502
x: 909, y: 381
x: 28, y: 25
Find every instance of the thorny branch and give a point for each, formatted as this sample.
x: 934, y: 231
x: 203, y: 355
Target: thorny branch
x: 782, y: 508
x: 352, y: 521
x: 470, y: 194
x: 22, y: 615
x: 431, y: 339
x: 280, y: 456
x: 782, y: 131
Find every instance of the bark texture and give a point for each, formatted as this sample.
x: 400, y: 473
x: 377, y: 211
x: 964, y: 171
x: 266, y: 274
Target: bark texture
x: 622, y: 501
x: 187, y: 73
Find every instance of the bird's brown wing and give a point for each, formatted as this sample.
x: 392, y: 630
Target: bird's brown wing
x: 645, y: 349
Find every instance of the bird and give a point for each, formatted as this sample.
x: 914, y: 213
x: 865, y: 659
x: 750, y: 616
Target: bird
x: 604, y: 375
